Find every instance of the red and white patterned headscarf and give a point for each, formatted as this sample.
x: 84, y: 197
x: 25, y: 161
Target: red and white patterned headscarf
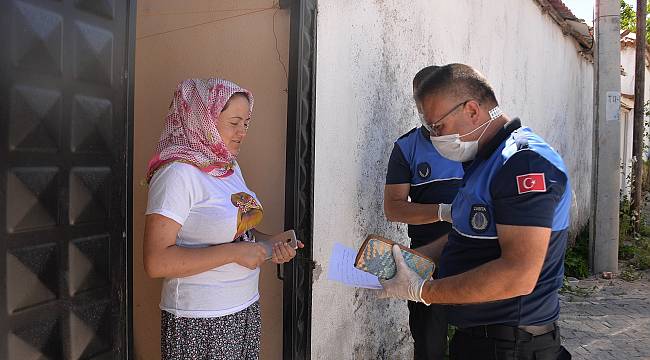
x: 190, y: 134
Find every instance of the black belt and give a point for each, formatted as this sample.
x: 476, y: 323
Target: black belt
x: 509, y: 333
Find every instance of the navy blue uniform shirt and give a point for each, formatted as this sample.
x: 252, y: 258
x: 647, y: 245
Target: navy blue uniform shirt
x: 517, y: 179
x: 434, y: 179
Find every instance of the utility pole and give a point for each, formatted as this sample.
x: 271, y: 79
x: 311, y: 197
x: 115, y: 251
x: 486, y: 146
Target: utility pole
x: 639, y: 113
x: 604, y: 223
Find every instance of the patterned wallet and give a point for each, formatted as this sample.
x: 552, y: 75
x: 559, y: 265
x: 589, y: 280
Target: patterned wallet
x: 376, y: 257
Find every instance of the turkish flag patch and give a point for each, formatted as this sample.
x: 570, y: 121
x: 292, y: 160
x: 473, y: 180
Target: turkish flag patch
x: 534, y: 182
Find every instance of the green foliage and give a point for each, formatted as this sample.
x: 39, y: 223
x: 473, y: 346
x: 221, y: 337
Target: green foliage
x: 626, y: 218
x: 634, y: 247
x: 629, y: 274
x: 626, y: 252
x: 576, y: 263
x: 644, y: 230
x: 582, y: 292
x: 628, y: 19
x: 642, y: 259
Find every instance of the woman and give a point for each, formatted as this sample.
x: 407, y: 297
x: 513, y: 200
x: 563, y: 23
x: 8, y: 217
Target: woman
x: 199, y: 230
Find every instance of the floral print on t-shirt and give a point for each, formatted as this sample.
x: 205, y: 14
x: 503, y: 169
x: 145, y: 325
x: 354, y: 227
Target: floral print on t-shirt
x: 249, y: 213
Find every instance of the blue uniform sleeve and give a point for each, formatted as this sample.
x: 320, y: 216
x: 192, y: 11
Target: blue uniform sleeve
x: 527, y: 190
x: 399, y: 171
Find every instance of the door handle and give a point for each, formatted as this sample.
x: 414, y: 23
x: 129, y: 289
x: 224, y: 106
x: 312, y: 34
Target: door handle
x: 280, y: 272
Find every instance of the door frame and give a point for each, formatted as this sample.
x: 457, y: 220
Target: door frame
x: 299, y: 183
x: 127, y: 314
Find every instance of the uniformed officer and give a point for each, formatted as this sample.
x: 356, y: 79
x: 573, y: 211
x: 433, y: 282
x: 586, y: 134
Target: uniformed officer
x: 418, y: 171
x: 502, y: 264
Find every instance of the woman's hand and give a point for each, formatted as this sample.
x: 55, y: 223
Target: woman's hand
x: 283, y: 253
x: 250, y: 255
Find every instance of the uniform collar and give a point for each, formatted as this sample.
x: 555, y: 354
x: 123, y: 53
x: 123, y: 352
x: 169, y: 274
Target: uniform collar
x: 498, y: 138
x: 425, y: 132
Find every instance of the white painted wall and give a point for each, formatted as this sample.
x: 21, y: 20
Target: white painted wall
x: 627, y: 62
x: 627, y: 122
x: 628, y: 59
x: 367, y: 54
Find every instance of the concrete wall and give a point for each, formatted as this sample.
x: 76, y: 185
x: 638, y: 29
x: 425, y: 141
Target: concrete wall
x: 626, y: 126
x: 242, y: 49
x: 368, y: 52
x: 628, y: 60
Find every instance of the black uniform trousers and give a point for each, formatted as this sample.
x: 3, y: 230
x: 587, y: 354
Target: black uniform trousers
x: 428, y: 324
x: 429, y: 330
x: 467, y: 346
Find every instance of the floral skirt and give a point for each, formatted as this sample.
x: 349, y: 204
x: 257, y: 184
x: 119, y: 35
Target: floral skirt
x: 230, y: 337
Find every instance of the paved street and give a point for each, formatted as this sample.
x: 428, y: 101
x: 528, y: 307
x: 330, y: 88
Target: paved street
x: 612, y: 322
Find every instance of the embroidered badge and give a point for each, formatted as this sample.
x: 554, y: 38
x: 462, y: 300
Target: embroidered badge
x: 533, y: 182
x: 479, y: 218
x: 424, y: 170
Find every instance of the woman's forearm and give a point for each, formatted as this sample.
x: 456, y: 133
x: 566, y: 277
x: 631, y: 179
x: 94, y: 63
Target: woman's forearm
x: 260, y: 236
x: 163, y: 258
x: 175, y: 261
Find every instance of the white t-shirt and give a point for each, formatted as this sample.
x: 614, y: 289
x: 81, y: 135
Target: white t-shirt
x: 210, y: 211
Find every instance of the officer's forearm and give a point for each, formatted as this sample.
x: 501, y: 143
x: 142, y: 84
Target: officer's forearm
x: 495, y: 280
x: 410, y: 213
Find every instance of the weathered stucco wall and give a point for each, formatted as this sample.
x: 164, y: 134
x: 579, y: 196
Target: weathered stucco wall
x: 628, y: 61
x: 368, y: 52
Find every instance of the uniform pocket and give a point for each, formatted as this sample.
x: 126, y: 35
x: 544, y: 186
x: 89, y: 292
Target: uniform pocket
x: 504, y: 350
x: 547, y: 354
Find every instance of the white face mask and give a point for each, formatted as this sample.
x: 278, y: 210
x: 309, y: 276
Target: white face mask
x: 451, y: 147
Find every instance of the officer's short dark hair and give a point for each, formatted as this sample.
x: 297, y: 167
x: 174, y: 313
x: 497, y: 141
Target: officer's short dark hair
x: 419, y: 78
x: 459, y: 81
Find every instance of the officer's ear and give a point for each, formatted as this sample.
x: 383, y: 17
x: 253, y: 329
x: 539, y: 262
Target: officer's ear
x: 472, y: 110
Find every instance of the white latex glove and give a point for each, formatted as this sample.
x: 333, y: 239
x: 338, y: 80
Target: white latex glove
x: 444, y: 212
x: 405, y: 285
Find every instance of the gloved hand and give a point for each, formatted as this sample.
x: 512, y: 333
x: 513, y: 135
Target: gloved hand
x: 444, y: 212
x: 405, y: 285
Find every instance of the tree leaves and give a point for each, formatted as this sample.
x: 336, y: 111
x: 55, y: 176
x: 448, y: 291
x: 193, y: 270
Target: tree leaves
x: 628, y: 19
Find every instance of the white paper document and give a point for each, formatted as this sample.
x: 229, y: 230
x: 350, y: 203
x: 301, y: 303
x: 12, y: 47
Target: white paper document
x: 341, y: 269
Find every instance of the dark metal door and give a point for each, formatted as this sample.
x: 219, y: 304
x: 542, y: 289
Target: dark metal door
x: 299, y: 188
x: 64, y: 129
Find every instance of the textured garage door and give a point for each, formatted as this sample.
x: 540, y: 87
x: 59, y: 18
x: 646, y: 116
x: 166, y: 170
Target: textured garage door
x: 63, y: 175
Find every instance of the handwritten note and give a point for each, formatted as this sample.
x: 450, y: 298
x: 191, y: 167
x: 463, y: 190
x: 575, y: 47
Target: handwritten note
x: 341, y: 269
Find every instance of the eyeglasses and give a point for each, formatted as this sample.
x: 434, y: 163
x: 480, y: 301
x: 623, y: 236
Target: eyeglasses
x: 435, y: 125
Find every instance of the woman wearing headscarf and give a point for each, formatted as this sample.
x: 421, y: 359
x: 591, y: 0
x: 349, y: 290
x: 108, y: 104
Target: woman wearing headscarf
x: 199, y: 229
